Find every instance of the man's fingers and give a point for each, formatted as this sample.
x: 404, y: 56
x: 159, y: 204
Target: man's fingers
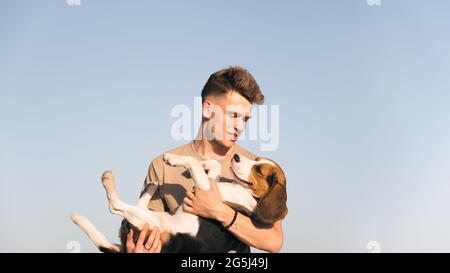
x: 213, y: 183
x: 186, y: 208
x: 159, y: 246
x: 130, y: 244
x: 151, y: 239
x: 140, y: 241
x: 187, y: 201
x: 153, y: 244
x: 190, y: 194
x: 156, y: 242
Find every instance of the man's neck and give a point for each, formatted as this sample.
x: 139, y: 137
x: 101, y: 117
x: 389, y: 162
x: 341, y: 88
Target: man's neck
x: 207, y: 149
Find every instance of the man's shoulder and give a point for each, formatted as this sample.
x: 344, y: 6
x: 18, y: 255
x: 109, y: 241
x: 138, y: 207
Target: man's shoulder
x: 180, y: 150
x: 186, y: 149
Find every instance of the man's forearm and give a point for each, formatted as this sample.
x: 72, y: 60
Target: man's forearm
x: 267, y: 239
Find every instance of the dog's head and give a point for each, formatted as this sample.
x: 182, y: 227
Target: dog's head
x: 268, y: 184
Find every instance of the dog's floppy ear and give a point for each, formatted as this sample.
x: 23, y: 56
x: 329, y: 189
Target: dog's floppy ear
x: 272, y: 207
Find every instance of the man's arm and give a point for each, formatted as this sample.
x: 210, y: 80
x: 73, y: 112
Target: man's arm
x: 267, y: 239
x: 209, y: 204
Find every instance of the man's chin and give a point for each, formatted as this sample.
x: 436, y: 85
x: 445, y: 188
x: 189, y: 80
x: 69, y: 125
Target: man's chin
x: 227, y: 143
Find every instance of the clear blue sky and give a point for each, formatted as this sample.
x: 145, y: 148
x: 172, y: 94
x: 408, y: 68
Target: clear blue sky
x: 364, y: 95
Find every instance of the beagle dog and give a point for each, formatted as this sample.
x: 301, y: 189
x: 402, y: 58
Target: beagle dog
x: 259, y: 192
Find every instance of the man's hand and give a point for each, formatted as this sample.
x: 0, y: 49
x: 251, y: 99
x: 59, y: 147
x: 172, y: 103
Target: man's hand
x: 207, y: 204
x: 153, y: 244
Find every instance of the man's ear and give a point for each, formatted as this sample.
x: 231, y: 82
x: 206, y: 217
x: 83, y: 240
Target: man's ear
x: 272, y: 207
x: 207, y: 109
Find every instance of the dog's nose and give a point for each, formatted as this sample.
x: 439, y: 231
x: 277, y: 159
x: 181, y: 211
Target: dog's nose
x: 236, y: 158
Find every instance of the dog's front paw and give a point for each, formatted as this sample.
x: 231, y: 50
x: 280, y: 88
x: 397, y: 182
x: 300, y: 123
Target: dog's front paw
x: 174, y: 160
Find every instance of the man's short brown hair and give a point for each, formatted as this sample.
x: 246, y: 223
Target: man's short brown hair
x: 233, y: 78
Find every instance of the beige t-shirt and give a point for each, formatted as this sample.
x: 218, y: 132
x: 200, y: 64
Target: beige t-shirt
x: 173, y: 182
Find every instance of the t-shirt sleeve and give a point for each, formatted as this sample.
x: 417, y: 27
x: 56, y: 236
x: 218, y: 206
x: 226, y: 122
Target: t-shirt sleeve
x: 154, y: 176
x: 151, y: 178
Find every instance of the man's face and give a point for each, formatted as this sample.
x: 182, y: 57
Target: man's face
x: 228, y: 115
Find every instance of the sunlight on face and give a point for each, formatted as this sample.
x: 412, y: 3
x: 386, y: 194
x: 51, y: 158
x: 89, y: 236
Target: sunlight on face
x: 229, y: 117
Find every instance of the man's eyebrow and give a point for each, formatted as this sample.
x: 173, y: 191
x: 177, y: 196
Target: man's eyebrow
x: 247, y: 117
x: 233, y: 112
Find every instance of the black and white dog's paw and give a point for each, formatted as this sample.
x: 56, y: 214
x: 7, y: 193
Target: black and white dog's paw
x: 175, y: 160
x: 108, y: 180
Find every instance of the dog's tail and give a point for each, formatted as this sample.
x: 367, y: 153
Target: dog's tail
x: 96, y: 236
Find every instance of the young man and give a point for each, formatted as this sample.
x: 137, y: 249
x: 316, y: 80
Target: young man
x: 227, y: 99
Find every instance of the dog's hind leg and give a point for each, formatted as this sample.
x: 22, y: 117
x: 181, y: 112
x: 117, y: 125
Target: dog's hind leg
x: 94, y: 235
x: 115, y: 205
x: 137, y: 216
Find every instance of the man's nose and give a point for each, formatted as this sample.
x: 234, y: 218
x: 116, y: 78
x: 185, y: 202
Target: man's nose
x: 239, y: 128
x: 237, y: 158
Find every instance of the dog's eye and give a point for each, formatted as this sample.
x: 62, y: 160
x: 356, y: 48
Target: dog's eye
x: 258, y: 169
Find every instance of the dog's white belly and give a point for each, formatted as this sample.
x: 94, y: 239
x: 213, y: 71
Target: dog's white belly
x: 182, y: 222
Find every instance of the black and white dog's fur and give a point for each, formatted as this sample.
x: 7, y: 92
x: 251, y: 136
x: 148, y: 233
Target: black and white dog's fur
x: 261, y: 194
